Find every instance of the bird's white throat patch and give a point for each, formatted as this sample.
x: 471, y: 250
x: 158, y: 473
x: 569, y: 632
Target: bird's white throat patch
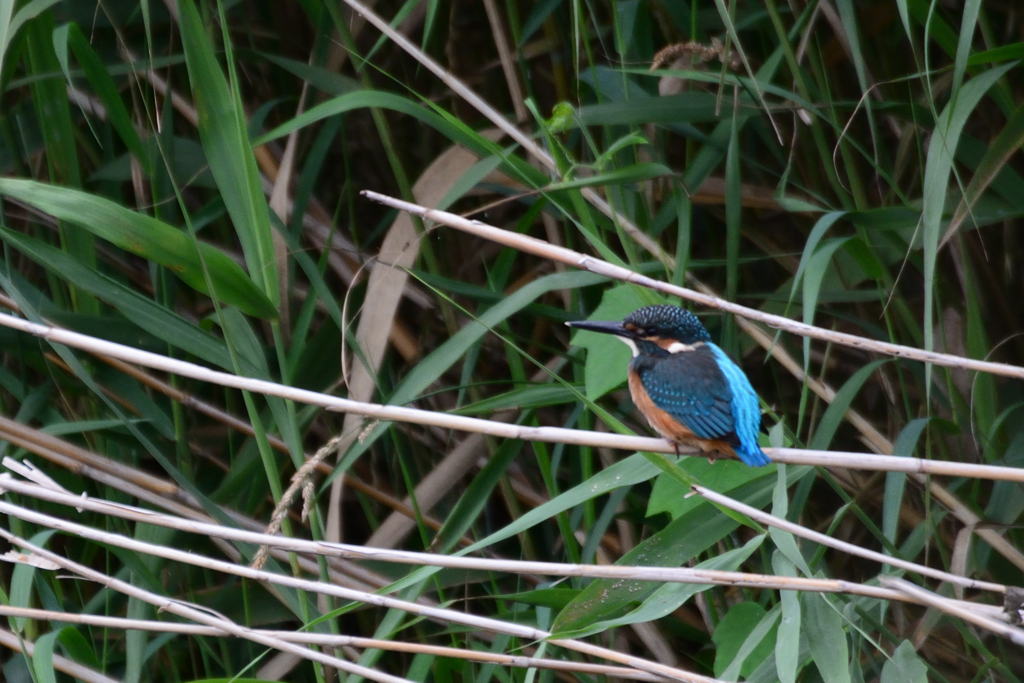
x: 630, y: 343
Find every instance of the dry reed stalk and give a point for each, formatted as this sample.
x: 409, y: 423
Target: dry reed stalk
x: 537, y: 247
x: 315, y: 587
x: 488, y: 427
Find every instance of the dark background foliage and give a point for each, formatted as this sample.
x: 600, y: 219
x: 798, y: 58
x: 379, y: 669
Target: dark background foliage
x: 854, y: 165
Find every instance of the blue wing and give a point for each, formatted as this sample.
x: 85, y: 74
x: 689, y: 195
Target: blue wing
x: 709, y: 394
x: 746, y: 410
x: 691, y: 388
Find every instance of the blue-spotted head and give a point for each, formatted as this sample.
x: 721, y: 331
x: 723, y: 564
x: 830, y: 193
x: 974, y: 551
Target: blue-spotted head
x: 655, y: 330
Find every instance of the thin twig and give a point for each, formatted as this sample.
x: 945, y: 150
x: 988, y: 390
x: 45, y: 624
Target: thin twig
x: 538, y: 247
x: 489, y: 427
x: 195, y: 559
x: 330, y: 640
x: 955, y: 608
x: 501, y: 122
x: 804, y: 532
x: 200, y: 615
x: 359, y: 552
x: 60, y: 662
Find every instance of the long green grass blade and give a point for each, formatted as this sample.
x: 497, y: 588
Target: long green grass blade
x: 222, y: 129
x: 147, y: 237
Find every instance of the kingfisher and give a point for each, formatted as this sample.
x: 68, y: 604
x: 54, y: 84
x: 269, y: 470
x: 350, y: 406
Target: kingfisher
x: 689, y: 390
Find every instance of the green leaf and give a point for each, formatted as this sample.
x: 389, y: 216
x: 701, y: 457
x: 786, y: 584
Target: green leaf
x: 683, y: 539
x: 11, y: 23
x: 745, y: 621
x: 836, y: 411
x: 554, y: 598
x: 42, y: 658
x: 784, y: 540
x: 895, y: 482
x: 78, y: 648
x: 963, y: 49
x: 671, y: 596
x: 904, y: 666
x: 149, y: 238
x: 938, y: 166
x: 817, y: 268
x: 529, y: 397
x: 823, y: 627
x: 787, y: 644
x: 672, y: 496
x: 364, y: 99
x: 476, y: 495
x: 147, y: 314
x: 225, y: 139
x: 695, y: 106
x: 1003, y: 53
x: 22, y: 578
x: 628, y: 472
x: 811, y: 246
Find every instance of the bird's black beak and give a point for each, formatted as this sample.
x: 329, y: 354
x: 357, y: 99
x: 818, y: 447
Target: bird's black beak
x: 604, y: 326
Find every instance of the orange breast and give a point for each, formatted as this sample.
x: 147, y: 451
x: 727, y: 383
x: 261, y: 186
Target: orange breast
x: 666, y: 425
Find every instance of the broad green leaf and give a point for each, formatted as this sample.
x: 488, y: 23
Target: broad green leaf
x: 21, y: 581
x: 677, y: 543
x: 744, y: 637
x: 330, y: 82
x: 222, y: 130
x: 904, y: 666
x: 787, y: 643
x: 938, y: 166
x: 78, y: 648
x: 149, y: 238
x: 670, y: 596
x: 823, y: 627
x: 555, y: 598
x: 1003, y: 53
x: 42, y: 658
x: 672, y: 496
x: 684, y: 538
x: 895, y: 482
x: 693, y: 107
x: 784, y: 540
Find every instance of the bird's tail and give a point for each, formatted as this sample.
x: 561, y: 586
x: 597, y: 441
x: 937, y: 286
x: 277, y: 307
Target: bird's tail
x: 751, y: 454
